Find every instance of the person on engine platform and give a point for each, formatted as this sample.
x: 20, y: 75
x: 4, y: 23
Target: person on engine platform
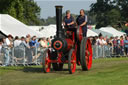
x: 68, y: 20
x: 82, y: 20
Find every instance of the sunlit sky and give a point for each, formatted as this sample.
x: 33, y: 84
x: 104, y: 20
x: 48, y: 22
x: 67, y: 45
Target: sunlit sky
x: 48, y: 6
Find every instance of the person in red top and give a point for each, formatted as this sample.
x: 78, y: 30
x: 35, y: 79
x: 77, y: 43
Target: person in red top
x: 121, y: 45
x: 126, y: 24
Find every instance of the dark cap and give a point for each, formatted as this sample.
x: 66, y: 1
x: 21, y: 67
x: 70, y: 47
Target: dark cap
x: 10, y: 36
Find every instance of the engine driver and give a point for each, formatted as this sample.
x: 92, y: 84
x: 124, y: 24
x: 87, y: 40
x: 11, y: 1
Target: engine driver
x: 68, y: 20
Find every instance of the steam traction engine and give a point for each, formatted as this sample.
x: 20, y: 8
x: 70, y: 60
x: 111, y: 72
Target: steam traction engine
x: 68, y: 47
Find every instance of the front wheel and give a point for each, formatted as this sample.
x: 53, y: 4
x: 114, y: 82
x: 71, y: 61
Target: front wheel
x: 72, y: 61
x: 46, y: 61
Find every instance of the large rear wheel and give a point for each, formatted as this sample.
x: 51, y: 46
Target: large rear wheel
x: 79, y: 34
x: 86, y: 54
x: 46, y: 61
x: 72, y: 61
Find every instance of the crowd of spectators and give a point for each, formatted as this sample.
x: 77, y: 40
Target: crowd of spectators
x: 119, y: 45
x: 29, y: 44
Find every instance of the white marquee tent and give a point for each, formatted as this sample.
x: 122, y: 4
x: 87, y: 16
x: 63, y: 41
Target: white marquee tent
x: 10, y: 25
x: 102, y: 32
x: 51, y: 31
x: 36, y: 28
x: 112, y: 30
x: 91, y: 33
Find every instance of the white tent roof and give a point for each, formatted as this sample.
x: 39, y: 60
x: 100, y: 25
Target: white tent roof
x: 112, y: 31
x: 91, y: 33
x: 10, y: 25
x: 36, y: 28
x: 102, y: 32
x: 51, y: 31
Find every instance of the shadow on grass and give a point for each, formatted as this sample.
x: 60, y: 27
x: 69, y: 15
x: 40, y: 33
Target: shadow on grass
x: 40, y: 70
x: 33, y: 69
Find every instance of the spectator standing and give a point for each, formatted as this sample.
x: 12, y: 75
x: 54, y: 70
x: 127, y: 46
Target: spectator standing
x: 109, y: 47
x: 104, y: 41
x: 121, y: 42
x: 32, y: 44
x: 28, y: 37
x: 17, y: 41
x: 99, y: 44
x: 94, y: 41
x: 28, y: 51
x: 115, y: 45
x: 1, y: 59
x: 7, y: 45
x: 38, y: 51
x: 99, y: 41
x: 48, y: 42
x: 43, y: 43
x: 126, y: 46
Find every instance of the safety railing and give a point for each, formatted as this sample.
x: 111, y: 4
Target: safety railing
x: 107, y: 51
x: 22, y: 56
x: 100, y: 51
x: 33, y: 56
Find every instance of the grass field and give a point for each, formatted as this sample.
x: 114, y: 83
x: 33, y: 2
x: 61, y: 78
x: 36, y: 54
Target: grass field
x: 111, y: 71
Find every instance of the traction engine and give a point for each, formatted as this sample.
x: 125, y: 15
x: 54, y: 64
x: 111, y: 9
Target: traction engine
x: 68, y: 47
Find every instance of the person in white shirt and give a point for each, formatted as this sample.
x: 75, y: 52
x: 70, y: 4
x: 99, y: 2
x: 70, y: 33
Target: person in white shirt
x: 99, y: 44
x: 104, y: 41
x: 7, y: 45
x: 99, y: 41
x: 17, y: 42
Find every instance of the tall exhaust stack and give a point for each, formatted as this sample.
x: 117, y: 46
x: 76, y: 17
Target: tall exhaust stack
x: 59, y: 31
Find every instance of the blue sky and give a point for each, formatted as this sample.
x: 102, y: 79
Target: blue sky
x: 48, y: 6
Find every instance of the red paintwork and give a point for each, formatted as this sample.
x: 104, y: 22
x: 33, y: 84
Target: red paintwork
x: 73, y: 61
x: 71, y: 40
x: 47, y: 62
x: 80, y: 34
x: 70, y: 44
x: 88, y: 54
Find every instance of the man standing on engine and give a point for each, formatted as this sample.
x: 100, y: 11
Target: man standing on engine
x: 82, y: 20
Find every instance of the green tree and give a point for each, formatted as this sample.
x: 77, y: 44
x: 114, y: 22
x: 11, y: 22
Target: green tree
x: 27, y: 11
x: 110, y: 12
x: 100, y: 10
x: 113, y: 17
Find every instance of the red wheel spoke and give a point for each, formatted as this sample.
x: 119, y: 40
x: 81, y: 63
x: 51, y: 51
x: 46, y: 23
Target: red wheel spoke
x: 72, y: 61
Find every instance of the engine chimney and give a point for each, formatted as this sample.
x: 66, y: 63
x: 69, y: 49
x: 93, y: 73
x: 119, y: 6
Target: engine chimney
x: 59, y: 31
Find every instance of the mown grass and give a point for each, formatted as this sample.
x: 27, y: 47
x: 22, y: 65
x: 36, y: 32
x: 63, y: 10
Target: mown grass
x: 110, y: 71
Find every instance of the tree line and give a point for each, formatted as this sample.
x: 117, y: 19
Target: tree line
x: 27, y: 11
x: 110, y: 12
